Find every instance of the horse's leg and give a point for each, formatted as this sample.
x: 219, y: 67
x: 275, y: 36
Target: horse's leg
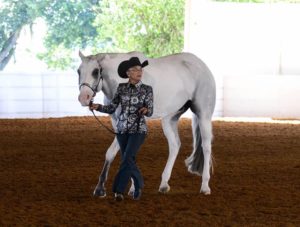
x: 132, y: 188
x: 199, y: 161
x: 206, y: 135
x: 109, y: 157
x: 203, y: 104
x: 170, y: 129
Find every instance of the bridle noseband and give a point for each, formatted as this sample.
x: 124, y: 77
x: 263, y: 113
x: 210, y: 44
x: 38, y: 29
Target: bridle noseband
x: 89, y: 86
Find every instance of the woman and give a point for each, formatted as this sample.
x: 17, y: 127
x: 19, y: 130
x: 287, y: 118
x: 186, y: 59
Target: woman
x: 136, y: 100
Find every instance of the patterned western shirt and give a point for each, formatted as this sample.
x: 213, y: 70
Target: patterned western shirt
x: 131, y: 98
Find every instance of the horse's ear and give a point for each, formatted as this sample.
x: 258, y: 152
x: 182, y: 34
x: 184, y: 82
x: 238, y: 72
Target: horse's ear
x: 81, y: 56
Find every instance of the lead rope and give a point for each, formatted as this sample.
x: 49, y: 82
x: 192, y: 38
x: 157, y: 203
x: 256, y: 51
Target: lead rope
x: 110, y: 130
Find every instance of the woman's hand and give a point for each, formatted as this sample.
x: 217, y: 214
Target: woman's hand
x: 94, y: 106
x: 143, y: 110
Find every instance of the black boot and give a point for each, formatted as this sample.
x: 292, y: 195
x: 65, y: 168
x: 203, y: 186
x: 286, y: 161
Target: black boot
x: 137, y: 194
x: 119, y: 197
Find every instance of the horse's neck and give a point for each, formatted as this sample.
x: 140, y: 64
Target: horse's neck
x: 109, y: 87
x: 108, y: 91
x: 112, y: 79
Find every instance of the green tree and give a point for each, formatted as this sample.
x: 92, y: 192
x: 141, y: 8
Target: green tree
x: 153, y: 27
x: 70, y: 26
x: 14, y: 15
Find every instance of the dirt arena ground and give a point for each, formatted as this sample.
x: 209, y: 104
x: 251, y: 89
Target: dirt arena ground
x: 49, y: 168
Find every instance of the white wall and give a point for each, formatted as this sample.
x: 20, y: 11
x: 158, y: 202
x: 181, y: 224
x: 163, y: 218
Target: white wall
x: 40, y: 95
x: 254, y: 49
x: 244, y: 38
x: 55, y: 95
x: 262, y: 96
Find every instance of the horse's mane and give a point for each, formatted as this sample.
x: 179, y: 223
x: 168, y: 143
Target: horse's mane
x: 100, y: 56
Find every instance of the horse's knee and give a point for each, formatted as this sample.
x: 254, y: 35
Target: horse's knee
x: 109, y: 157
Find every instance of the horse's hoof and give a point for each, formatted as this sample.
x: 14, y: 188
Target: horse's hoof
x: 131, y: 192
x: 99, y: 193
x: 205, y: 190
x: 164, y: 189
x: 205, y: 193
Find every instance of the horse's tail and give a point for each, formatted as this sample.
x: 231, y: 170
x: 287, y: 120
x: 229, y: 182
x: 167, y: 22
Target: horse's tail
x: 195, y: 161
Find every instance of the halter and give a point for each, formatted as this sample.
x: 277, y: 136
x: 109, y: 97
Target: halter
x: 89, y: 86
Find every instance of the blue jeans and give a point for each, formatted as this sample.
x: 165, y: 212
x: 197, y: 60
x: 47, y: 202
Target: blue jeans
x: 129, y: 146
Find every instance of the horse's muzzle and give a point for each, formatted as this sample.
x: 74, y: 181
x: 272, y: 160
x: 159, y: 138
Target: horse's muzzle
x: 84, y: 100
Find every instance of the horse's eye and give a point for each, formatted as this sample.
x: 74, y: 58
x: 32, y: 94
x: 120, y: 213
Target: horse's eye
x: 78, y: 71
x: 95, y: 73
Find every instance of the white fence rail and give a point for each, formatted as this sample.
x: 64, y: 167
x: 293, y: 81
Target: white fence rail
x: 55, y: 95
x: 50, y: 95
x: 39, y: 95
x: 262, y: 96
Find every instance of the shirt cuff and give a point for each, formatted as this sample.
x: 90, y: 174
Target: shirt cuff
x: 99, y: 108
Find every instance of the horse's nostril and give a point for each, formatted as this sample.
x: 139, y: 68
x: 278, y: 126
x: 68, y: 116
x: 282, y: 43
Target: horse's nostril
x: 88, y: 96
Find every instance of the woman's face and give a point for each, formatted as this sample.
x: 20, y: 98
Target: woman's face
x: 135, y: 73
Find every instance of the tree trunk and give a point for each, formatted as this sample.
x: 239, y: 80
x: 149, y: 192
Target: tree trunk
x: 8, y: 49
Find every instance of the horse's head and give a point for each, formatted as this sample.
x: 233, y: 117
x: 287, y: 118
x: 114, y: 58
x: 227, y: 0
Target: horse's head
x: 90, y: 78
x: 99, y: 72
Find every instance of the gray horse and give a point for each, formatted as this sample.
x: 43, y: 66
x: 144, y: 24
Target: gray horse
x: 179, y: 82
